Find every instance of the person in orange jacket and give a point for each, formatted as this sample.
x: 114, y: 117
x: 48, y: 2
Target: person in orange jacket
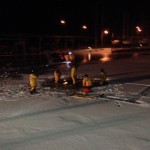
x: 87, y: 83
x: 32, y: 82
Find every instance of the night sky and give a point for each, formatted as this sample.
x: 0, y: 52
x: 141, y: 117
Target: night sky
x: 43, y: 16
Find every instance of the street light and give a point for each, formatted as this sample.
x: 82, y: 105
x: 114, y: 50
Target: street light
x: 138, y: 30
x: 84, y: 27
x: 103, y: 33
x: 62, y: 21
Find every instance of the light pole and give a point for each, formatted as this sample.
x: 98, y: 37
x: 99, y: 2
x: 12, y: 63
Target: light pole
x: 63, y: 23
x: 138, y: 31
x: 84, y: 29
x: 103, y: 33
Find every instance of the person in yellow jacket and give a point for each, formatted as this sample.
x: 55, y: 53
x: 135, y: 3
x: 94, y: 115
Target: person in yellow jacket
x: 57, y: 76
x: 74, y: 75
x: 87, y: 83
x: 32, y: 82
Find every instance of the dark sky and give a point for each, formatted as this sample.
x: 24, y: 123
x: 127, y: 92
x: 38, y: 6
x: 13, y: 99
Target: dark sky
x: 42, y: 16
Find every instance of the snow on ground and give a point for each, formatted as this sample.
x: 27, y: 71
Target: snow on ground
x: 14, y: 89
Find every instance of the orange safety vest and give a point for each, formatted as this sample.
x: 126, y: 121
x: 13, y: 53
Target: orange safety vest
x: 87, y: 82
x: 32, y: 80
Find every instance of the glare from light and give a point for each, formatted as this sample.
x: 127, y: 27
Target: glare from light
x: 138, y: 29
x: 89, y: 47
x: 105, y: 59
x: 85, y: 58
x: 106, y: 31
x: 89, y: 56
x: 84, y: 27
x: 68, y: 64
x: 62, y: 21
x: 106, y: 56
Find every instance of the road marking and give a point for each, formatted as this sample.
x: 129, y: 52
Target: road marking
x: 139, y: 84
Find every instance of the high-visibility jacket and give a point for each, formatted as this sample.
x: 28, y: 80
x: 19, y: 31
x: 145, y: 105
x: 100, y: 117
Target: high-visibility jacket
x: 32, y: 80
x: 87, y: 82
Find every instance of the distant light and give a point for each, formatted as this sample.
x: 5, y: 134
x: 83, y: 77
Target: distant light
x: 138, y: 29
x: 105, y: 59
x: 62, y: 21
x: 67, y: 63
x: 115, y: 41
x: 65, y: 82
x: 84, y: 27
x: 89, y: 56
x: 106, y: 31
x: 89, y: 47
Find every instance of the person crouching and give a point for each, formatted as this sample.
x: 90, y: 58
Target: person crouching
x: 87, y: 84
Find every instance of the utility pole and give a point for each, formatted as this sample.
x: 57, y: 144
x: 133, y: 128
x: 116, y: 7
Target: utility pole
x: 126, y: 22
x: 102, y: 22
x: 96, y: 23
